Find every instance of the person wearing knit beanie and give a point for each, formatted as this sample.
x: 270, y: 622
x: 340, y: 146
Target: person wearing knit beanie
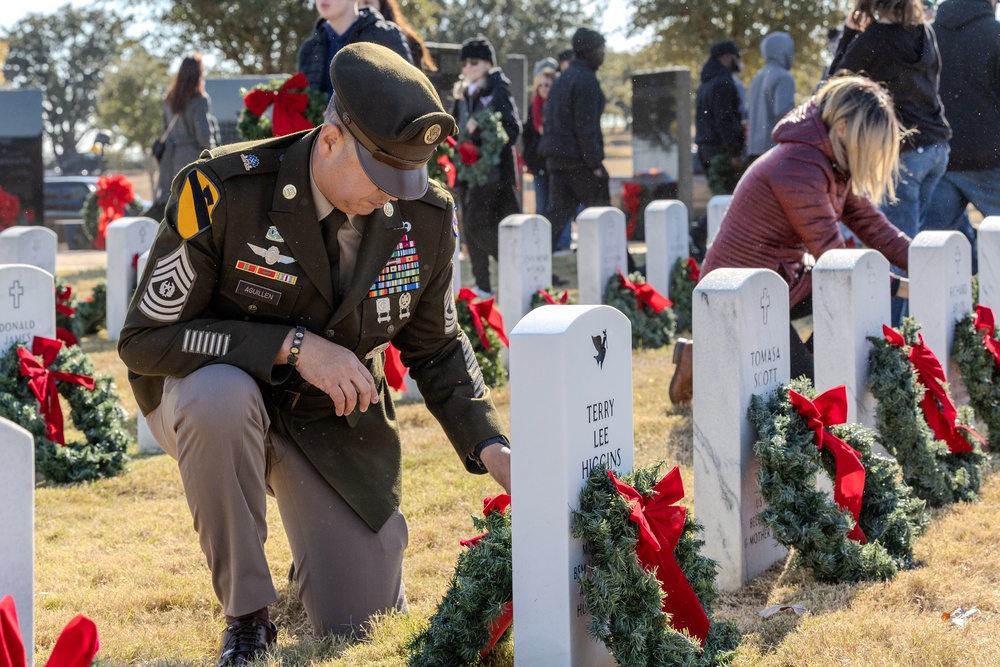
x: 479, y: 48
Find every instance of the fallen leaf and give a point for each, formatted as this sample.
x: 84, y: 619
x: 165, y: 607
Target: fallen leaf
x: 776, y: 608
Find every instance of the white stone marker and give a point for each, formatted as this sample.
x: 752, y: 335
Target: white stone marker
x: 525, y: 264
x: 601, y: 250
x: 988, y: 243
x: 666, y: 241
x: 17, y: 517
x: 717, y: 207
x: 941, y: 293
x: 29, y: 245
x: 126, y: 238
x: 740, y: 326
x: 579, y: 416
x: 27, y: 305
x: 850, y: 303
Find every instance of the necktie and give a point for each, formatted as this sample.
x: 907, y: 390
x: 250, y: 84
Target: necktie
x: 330, y: 225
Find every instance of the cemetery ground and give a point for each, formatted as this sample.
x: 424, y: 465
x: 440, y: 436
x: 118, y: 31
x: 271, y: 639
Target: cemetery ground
x: 122, y: 551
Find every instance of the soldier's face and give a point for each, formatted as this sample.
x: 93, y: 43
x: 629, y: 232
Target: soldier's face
x: 340, y: 176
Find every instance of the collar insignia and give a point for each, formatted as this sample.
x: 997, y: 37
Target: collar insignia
x: 249, y: 161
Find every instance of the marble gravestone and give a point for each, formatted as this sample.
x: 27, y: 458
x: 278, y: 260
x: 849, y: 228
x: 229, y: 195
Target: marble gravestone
x: 22, y: 181
x: 717, y: 207
x: 571, y: 410
x: 127, y: 239
x: 27, y: 305
x: 941, y: 294
x: 666, y: 241
x: 17, y: 516
x: 29, y: 245
x: 740, y: 326
x: 850, y: 303
x: 988, y: 242
x: 661, y: 116
x: 525, y: 264
x: 601, y: 251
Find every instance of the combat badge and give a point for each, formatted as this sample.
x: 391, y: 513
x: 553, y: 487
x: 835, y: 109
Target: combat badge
x: 382, y: 307
x: 168, y: 287
x: 195, y: 202
x: 271, y: 255
x: 404, y: 305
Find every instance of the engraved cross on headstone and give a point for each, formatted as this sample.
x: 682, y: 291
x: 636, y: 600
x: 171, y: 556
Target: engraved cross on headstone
x: 958, y: 262
x: 16, y: 295
x: 142, y: 234
x: 765, y: 303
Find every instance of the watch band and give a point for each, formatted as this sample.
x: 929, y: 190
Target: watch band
x: 293, y: 354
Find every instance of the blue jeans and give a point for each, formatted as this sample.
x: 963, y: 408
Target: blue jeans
x: 954, y: 192
x: 920, y: 170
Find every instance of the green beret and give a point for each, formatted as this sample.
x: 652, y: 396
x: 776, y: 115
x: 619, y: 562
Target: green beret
x: 394, y: 114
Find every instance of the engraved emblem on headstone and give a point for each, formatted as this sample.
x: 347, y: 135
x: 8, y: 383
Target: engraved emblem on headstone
x: 15, y: 291
x: 958, y: 262
x: 765, y: 303
x: 601, y: 345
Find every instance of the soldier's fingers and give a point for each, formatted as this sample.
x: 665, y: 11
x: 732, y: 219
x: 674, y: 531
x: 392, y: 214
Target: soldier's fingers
x: 350, y: 398
x: 364, y: 393
x: 339, y: 400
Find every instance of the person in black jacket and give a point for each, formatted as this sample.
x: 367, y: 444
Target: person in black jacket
x: 718, y: 121
x: 341, y: 23
x: 484, y: 86
x: 572, y: 142
x: 968, y: 36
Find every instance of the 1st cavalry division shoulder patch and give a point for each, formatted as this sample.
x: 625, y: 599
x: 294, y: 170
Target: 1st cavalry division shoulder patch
x: 168, y: 287
x: 195, y: 202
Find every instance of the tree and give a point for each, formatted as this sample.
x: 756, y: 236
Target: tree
x: 66, y: 55
x: 130, y: 98
x: 259, y: 36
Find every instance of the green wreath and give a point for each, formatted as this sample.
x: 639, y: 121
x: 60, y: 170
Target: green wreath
x: 89, y: 314
x: 981, y: 375
x: 538, y: 300
x: 480, y: 589
x: 91, y: 216
x: 489, y: 140
x: 683, y: 278
x: 624, y: 600
x: 934, y: 473
x: 252, y: 127
x: 804, y: 517
x: 494, y: 374
x: 649, y: 328
x: 96, y: 413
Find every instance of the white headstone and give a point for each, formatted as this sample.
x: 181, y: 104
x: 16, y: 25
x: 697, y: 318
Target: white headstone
x: 666, y: 241
x: 988, y: 244
x: 17, y: 517
x: 29, y: 245
x: 601, y: 250
x: 740, y: 326
x: 941, y: 292
x: 27, y: 305
x: 525, y: 264
x: 850, y: 303
x: 717, y: 207
x: 579, y: 416
x: 127, y: 238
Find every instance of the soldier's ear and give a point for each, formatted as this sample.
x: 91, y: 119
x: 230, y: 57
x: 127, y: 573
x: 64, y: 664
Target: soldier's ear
x: 331, y: 140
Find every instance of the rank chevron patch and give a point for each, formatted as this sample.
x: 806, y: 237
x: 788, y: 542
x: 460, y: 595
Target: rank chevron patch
x: 168, y: 287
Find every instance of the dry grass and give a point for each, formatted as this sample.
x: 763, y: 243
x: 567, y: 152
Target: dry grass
x: 123, y: 552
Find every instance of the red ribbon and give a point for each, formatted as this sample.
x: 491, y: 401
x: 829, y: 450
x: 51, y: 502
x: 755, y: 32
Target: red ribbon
x: 645, y: 294
x: 63, y: 297
x: 661, y: 524
x: 694, y: 273
x: 828, y: 409
x: 76, y: 646
x: 289, y: 107
x: 448, y: 168
x: 66, y: 336
x: 939, y: 411
x: 483, y: 310
x: 114, y: 193
x: 43, y: 382
x: 394, y: 369
x: 468, y: 152
x: 551, y: 300
x: 499, y: 626
x: 986, y: 323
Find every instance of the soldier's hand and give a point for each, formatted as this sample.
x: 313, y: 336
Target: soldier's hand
x: 336, y: 371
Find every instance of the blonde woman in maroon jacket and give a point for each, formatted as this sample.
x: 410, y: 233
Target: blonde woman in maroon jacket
x: 836, y: 159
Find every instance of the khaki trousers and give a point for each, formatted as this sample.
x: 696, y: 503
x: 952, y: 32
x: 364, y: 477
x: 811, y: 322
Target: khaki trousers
x: 213, y: 422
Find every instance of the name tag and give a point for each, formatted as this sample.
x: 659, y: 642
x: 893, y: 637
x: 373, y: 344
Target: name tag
x: 257, y: 292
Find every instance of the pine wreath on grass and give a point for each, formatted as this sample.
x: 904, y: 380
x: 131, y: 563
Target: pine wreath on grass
x: 650, y: 329
x: 684, y: 276
x: 550, y: 296
x: 805, y: 518
x: 981, y: 374
x: 936, y: 475
x: 91, y: 212
x: 95, y: 413
x: 480, y: 152
x: 494, y: 374
x: 625, y: 600
x: 89, y: 314
x: 479, y: 593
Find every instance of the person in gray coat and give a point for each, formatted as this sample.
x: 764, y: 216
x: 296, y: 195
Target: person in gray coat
x: 772, y: 92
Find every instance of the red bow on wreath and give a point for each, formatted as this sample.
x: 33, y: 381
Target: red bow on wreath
x: 694, y: 273
x: 114, y: 193
x: 661, y: 524
x: 939, y: 411
x: 986, y: 323
x: 483, y: 310
x: 43, y: 383
x: 63, y: 296
x: 828, y: 409
x: 549, y: 299
x: 645, y: 294
x: 503, y: 621
x: 468, y: 152
x: 447, y: 166
x: 289, y: 107
x: 76, y: 646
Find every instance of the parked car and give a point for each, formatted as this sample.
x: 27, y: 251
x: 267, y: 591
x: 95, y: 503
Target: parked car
x: 64, y: 196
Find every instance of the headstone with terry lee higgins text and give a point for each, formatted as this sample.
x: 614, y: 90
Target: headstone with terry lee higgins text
x: 571, y: 411
x: 27, y: 305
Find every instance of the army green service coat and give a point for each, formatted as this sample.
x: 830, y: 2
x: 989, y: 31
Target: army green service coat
x: 239, y: 260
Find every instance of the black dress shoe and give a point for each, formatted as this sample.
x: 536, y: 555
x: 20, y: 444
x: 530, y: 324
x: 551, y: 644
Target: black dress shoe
x: 245, y: 640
